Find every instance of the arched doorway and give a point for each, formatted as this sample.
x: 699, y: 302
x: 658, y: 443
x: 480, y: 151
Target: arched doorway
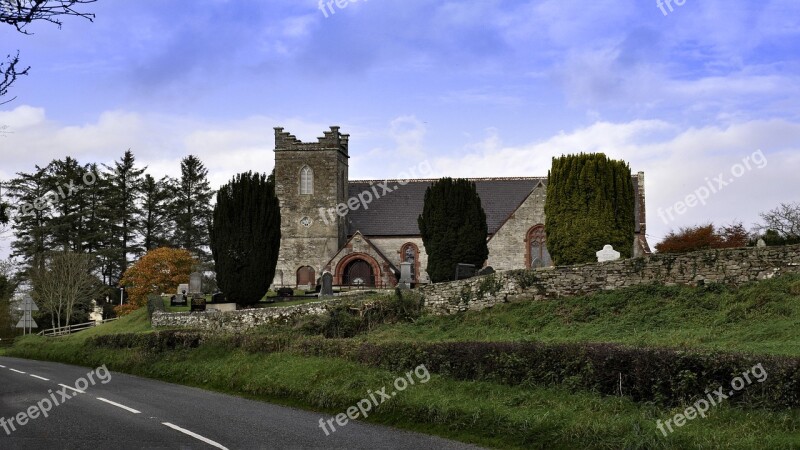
x: 305, y: 276
x: 536, y: 251
x: 358, y: 273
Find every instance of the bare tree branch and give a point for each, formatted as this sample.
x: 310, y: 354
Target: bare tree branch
x: 785, y: 219
x: 8, y: 75
x: 21, y: 13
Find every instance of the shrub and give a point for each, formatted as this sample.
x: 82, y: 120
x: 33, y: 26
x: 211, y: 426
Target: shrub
x: 453, y: 227
x: 704, y: 237
x: 664, y: 376
x: 590, y: 203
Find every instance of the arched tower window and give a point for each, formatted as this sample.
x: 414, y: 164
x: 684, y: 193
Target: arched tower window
x: 536, y: 251
x: 306, y: 181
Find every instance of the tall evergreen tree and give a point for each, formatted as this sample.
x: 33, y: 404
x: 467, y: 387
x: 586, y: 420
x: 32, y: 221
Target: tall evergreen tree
x: 245, y: 237
x: 154, y: 224
x: 590, y: 203
x: 121, y: 208
x: 453, y: 227
x: 31, y: 217
x: 68, y: 180
x: 191, y: 208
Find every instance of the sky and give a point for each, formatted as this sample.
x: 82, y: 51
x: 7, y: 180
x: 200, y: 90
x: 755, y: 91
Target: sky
x: 702, y: 97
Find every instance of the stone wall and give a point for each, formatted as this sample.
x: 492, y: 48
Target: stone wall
x: 507, y: 247
x: 309, y: 237
x: 730, y: 266
x: 239, y: 320
x: 391, y: 246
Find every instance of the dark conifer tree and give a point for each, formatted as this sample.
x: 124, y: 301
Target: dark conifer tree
x: 123, y: 188
x: 154, y: 224
x: 453, y: 227
x: 191, y: 208
x: 590, y: 203
x: 245, y: 237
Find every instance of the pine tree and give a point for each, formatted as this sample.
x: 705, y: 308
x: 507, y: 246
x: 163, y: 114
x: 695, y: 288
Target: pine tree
x: 453, y: 227
x: 245, y: 237
x: 31, y: 217
x: 154, y: 224
x: 121, y: 208
x: 191, y: 209
x: 590, y: 203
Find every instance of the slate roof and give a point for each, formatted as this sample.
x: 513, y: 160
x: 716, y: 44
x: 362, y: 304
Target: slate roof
x: 395, y: 213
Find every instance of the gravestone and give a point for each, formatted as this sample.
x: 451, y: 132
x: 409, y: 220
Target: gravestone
x: 177, y: 300
x: 285, y: 292
x: 488, y: 270
x: 464, y: 271
x: 761, y: 243
x: 607, y: 254
x: 195, y: 283
x: 327, y: 285
x: 198, y: 303
x: 219, y: 297
x: 183, y: 289
x: 405, y: 276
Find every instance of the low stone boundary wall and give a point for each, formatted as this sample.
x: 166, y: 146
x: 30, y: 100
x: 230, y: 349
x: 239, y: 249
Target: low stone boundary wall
x: 242, y: 319
x: 729, y: 266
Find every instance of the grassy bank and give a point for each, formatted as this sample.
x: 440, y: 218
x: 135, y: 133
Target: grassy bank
x: 761, y: 319
x: 479, y: 412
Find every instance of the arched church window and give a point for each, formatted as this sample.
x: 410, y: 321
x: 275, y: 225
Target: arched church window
x: 409, y: 253
x: 306, y: 181
x: 537, y: 254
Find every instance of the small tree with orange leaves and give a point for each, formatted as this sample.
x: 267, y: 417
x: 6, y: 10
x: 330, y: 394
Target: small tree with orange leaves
x: 160, y: 270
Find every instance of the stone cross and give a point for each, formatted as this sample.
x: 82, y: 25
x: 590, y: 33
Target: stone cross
x: 607, y: 254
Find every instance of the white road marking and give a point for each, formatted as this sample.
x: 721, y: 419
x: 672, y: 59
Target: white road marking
x: 72, y: 388
x: 15, y: 370
x: 37, y: 376
x: 118, y: 405
x: 3, y: 366
x: 195, y: 435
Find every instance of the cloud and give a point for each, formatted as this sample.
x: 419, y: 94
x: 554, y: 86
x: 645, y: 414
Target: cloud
x: 676, y: 162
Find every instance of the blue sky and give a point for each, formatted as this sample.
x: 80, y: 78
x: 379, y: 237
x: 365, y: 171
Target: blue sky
x: 479, y: 88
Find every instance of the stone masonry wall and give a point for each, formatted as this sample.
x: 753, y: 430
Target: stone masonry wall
x: 507, y: 246
x: 730, y: 266
x: 239, y: 320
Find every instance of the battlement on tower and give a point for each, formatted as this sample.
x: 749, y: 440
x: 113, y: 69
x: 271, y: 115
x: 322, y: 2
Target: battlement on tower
x: 331, y: 140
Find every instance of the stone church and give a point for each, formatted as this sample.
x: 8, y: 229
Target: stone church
x: 326, y: 225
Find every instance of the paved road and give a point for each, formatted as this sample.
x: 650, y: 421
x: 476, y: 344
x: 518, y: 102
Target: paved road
x: 128, y: 412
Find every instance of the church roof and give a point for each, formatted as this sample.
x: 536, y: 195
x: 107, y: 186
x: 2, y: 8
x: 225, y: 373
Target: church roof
x: 395, y: 213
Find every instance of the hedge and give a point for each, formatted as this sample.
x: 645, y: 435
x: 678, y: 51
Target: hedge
x: 660, y: 376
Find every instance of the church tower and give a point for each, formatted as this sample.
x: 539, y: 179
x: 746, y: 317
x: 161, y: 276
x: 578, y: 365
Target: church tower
x: 310, y: 180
